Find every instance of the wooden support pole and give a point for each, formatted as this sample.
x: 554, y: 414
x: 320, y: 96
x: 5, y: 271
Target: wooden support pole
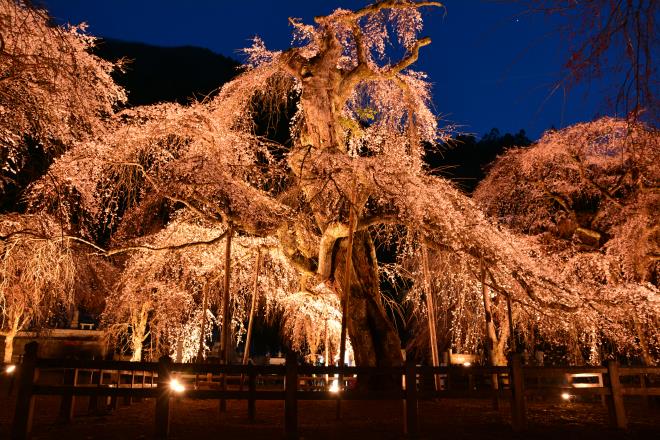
x: 517, y: 383
x: 291, y: 402
x: 226, y: 315
x: 162, y: 430
x: 67, y: 403
x: 512, y: 338
x: 411, y: 420
x: 432, y: 322
x: 491, y: 333
x: 205, y: 302
x: 226, y: 318
x: 327, y: 352
x: 617, y: 411
x: 253, y: 305
x: 22, y: 424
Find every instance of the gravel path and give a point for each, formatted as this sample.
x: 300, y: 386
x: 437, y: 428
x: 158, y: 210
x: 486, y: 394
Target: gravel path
x: 447, y: 418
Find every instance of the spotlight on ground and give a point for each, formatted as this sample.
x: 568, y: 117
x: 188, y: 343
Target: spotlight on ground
x: 177, y: 386
x: 467, y: 364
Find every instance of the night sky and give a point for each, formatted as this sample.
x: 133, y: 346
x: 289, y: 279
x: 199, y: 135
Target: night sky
x: 492, y: 63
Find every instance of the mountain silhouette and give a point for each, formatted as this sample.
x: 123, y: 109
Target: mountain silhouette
x: 173, y: 74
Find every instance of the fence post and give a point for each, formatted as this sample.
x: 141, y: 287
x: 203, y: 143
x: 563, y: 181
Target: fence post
x: 223, y: 387
x: 67, y: 403
x: 517, y: 384
x: 94, y: 407
x: 617, y: 411
x: 645, y: 396
x: 411, y: 421
x: 252, y: 390
x: 127, y: 399
x: 143, y: 386
x: 290, y: 402
x: 163, y: 399
x: 25, y: 400
x: 115, y: 380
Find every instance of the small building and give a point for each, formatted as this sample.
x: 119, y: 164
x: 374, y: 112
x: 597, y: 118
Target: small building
x: 61, y: 343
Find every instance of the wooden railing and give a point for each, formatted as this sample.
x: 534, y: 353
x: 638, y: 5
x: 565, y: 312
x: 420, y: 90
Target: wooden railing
x: 112, y: 379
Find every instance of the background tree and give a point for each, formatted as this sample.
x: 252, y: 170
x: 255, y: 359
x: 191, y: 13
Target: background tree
x: 160, y: 294
x: 590, y: 195
x: 37, y: 273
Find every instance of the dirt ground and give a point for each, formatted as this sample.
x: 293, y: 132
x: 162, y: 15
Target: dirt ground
x: 445, y: 418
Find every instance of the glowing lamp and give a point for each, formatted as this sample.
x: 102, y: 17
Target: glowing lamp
x: 467, y: 364
x: 177, y: 386
x: 565, y: 396
x: 334, y: 388
x: 10, y: 369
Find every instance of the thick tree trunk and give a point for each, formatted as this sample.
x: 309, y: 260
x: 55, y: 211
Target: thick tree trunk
x: 137, y: 348
x: 15, y: 325
x: 372, y: 335
x: 139, y: 320
x: 9, y: 347
x: 647, y: 359
x: 499, y: 351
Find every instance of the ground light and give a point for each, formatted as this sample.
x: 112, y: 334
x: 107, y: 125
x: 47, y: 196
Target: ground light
x: 177, y: 386
x: 467, y: 364
x: 334, y: 388
x: 10, y: 369
x: 566, y: 396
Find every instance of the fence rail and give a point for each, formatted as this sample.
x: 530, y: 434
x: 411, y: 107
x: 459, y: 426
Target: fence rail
x: 108, y: 380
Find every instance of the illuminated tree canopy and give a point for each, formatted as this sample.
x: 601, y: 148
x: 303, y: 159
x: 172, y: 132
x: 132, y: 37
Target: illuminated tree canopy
x: 157, y: 190
x: 52, y: 90
x: 589, y: 194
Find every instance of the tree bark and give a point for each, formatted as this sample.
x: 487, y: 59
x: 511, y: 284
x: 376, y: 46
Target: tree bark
x: 9, y: 347
x: 137, y: 349
x: 372, y: 335
x: 139, y: 331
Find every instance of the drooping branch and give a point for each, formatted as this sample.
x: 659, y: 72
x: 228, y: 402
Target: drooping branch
x: 116, y: 251
x: 593, y: 183
x: 382, y: 5
x: 408, y: 60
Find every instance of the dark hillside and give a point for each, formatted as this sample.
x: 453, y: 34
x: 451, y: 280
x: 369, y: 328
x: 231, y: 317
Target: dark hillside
x: 156, y: 74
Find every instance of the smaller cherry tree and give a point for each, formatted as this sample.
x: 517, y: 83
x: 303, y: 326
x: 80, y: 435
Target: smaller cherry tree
x: 172, y: 273
x: 36, y: 273
x: 588, y: 196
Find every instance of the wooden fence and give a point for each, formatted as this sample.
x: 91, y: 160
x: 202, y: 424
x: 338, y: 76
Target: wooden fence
x: 110, y: 380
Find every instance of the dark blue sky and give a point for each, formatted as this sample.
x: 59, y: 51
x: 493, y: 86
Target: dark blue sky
x: 492, y: 64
